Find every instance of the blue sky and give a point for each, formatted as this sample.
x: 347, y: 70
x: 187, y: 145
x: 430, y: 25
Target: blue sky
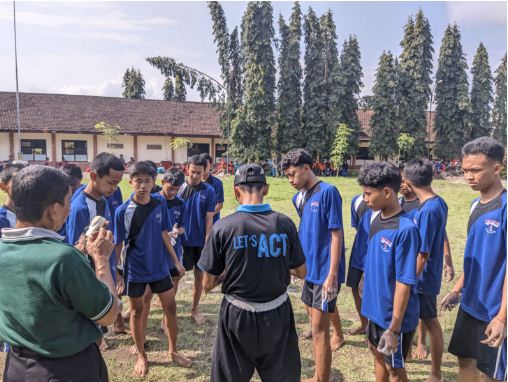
x: 85, y: 47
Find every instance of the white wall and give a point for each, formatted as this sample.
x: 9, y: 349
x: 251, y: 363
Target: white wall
x: 74, y: 137
x: 4, y: 146
x: 128, y: 146
x: 45, y: 136
x: 155, y: 155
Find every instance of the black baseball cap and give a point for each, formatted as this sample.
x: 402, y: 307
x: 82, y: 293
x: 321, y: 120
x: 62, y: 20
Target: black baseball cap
x: 249, y: 173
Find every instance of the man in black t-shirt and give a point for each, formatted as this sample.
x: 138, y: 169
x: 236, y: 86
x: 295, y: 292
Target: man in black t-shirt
x: 253, y: 252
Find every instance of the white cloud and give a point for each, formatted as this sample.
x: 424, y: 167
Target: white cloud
x: 477, y: 13
x: 122, y: 38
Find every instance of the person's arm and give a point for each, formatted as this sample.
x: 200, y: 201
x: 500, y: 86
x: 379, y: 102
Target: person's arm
x: 210, y: 282
x: 299, y: 272
x: 172, y: 254
x: 453, y: 298
x: 449, y: 271
x: 212, y: 262
x: 420, y: 262
x: 209, y: 224
x: 496, y: 330
x: 218, y: 207
x: 330, y: 285
x: 400, y: 300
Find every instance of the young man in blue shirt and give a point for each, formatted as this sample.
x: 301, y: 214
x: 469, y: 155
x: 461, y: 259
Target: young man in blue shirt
x: 201, y: 202
x: 360, y: 220
x: 479, y: 336
x: 141, y: 234
x: 319, y: 206
x: 7, y: 215
x: 216, y: 184
x: 253, y: 253
x: 430, y: 218
x: 389, y: 297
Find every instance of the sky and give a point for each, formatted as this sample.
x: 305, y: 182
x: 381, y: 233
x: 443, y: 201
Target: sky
x: 85, y: 47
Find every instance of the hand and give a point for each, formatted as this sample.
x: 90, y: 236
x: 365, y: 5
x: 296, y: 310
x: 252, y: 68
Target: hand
x: 120, y: 284
x: 100, y: 247
x: 495, y: 332
x: 180, y: 268
x: 450, y: 301
x: 330, y: 288
x: 449, y: 272
x: 388, y: 343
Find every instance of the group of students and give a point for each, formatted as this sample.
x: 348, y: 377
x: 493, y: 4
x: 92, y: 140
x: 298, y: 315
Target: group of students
x: 395, y: 268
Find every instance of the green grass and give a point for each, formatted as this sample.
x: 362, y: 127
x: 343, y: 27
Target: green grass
x: 351, y: 363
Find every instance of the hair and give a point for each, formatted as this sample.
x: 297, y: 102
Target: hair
x: 9, y: 171
x: 419, y: 172
x: 252, y: 187
x: 74, y: 171
x: 197, y: 160
x: 487, y: 146
x: 104, y: 162
x: 379, y: 175
x: 296, y: 158
x: 207, y: 157
x: 142, y: 168
x: 174, y: 176
x: 35, y: 188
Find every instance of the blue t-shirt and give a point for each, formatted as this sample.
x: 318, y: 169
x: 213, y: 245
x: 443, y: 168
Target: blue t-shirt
x: 83, y: 209
x: 177, y: 210
x: 218, y: 187
x: 391, y: 257
x: 7, y: 219
x: 139, y: 227
x: 430, y: 218
x: 115, y: 201
x: 360, y: 219
x: 485, y: 259
x: 200, y: 200
x: 320, y: 210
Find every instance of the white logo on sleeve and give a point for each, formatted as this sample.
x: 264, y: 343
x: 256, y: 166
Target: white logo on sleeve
x: 492, y: 226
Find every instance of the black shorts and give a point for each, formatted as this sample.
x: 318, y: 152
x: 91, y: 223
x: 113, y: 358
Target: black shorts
x: 354, y: 275
x: 191, y: 257
x: 428, y: 306
x: 265, y: 341
x: 312, y: 297
x: 396, y: 360
x: 85, y: 366
x: 173, y: 272
x: 465, y: 343
x: 135, y: 290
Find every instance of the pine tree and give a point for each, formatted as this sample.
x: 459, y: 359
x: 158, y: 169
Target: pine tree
x: 288, y: 132
x: 221, y: 37
x: 168, y: 90
x: 481, y: 94
x: 331, y: 76
x: 415, y: 67
x: 314, y: 97
x: 350, y: 86
x: 180, y: 91
x: 133, y: 84
x: 252, y: 128
x: 452, y: 101
x: 499, y: 110
x: 383, y: 123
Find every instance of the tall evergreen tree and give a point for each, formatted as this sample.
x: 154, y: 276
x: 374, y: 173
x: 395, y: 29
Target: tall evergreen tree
x: 350, y: 86
x: 133, y: 84
x: 221, y: 37
x: 251, y: 129
x: 481, y: 94
x: 180, y: 90
x: 288, y: 132
x: 499, y: 110
x: 331, y: 77
x: 383, y: 123
x: 415, y: 67
x: 168, y: 90
x: 314, y: 97
x: 452, y: 101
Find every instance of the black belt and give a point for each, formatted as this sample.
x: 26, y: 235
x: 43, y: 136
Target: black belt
x: 27, y: 353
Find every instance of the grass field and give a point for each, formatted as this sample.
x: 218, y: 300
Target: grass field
x: 352, y: 363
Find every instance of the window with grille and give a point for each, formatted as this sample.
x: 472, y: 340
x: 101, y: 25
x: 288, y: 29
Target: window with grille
x: 34, y: 149
x: 74, y: 151
x: 154, y: 147
x: 117, y: 146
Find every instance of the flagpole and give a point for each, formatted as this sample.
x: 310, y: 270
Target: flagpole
x: 18, y: 123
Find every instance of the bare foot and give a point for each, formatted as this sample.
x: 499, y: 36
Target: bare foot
x: 180, y: 359
x: 306, y: 335
x: 421, y: 351
x: 336, y: 342
x: 141, y: 368
x: 357, y: 331
x: 198, y: 318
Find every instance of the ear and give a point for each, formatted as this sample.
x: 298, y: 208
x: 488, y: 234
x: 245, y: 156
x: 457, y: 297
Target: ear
x: 497, y: 168
x: 130, y: 182
x: 265, y: 189
x: 93, y: 175
x: 236, y: 192
x: 387, y: 191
